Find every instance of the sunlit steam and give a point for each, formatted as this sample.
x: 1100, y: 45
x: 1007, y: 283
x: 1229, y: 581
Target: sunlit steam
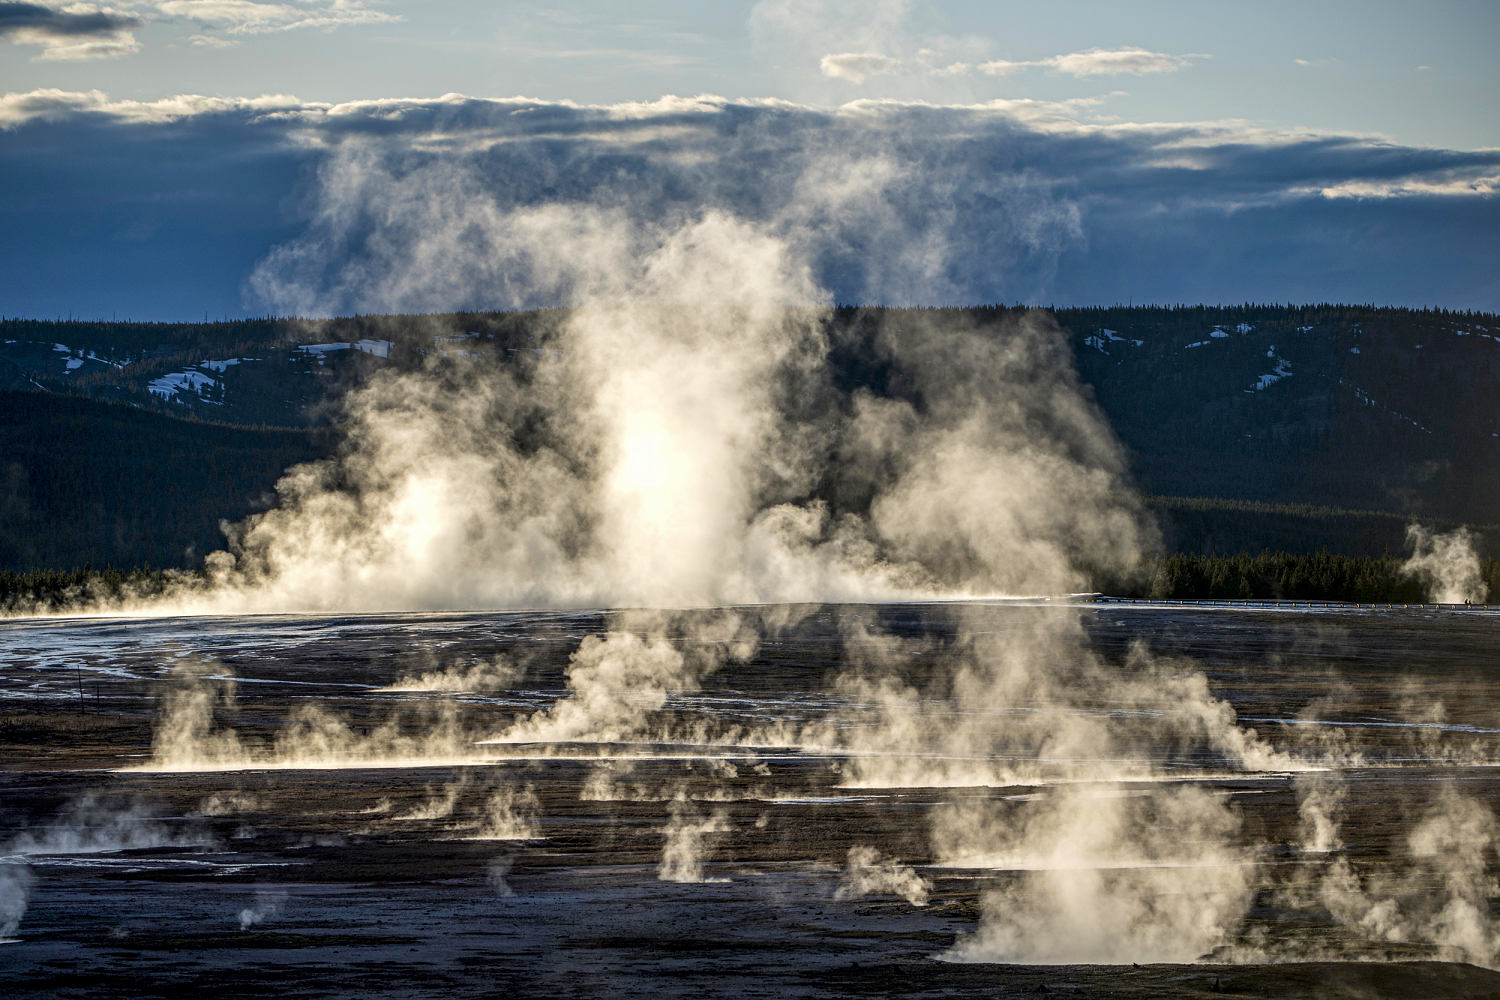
x: 688, y: 836
x: 1446, y: 564
x: 868, y: 873
x: 509, y: 814
x: 1105, y: 875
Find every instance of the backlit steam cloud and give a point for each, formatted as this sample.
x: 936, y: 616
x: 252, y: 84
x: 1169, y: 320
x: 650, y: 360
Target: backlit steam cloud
x: 1441, y: 896
x: 688, y: 835
x: 691, y: 432
x: 616, y: 684
x: 867, y: 872
x: 1447, y: 564
x: 1107, y: 874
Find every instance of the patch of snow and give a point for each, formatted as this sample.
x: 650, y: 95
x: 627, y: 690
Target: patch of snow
x: 1303, y: 329
x: 1354, y: 350
x: 168, y: 386
x: 1244, y: 328
x: 1218, y: 333
x: 1102, y: 336
x: 75, y: 359
x: 1271, y: 351
x: 1283, y: 370
x: 1417, y: 347
x: 375, y: 348
x: 221, y: 366
x: 1197, y: 343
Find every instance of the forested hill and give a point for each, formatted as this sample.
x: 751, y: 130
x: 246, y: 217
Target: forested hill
x: 1253, y: 426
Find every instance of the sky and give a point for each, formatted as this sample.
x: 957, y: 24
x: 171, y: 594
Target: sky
x: 174, y: 159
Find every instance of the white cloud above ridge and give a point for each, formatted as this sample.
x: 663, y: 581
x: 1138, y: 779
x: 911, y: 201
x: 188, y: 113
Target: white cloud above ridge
x: 1131, y: 60
x: 254, y: 17
x: 856, y: 67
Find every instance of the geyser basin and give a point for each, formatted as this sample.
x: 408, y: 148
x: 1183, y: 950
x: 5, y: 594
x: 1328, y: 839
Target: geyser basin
x: 1259, y: 789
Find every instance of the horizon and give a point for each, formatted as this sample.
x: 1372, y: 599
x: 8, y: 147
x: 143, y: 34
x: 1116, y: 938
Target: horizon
x: 832, y: 306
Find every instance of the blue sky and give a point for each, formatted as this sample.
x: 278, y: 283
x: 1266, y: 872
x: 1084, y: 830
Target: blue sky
x: 171, y: 158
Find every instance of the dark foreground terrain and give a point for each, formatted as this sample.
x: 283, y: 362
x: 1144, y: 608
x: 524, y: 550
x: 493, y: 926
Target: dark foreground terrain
x: 156, y: 839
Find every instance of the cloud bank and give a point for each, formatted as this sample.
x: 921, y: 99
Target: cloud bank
x: 890, y: 202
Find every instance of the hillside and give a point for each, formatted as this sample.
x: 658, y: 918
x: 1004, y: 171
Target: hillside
x: 84, y: 482
x: 1249, y: 427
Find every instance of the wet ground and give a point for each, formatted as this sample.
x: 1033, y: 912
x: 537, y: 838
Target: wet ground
x: 704, y: 848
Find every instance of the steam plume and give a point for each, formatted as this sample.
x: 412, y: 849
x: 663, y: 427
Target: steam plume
x: 1440, y: 897
x: 510, y: 814
x: 687, y: 835
x: 1446, y: 564
x: 867, y: 872
x: 1106, y: 876
x: 688, y: 435
x: 267, y: 906
x: 15, y: 892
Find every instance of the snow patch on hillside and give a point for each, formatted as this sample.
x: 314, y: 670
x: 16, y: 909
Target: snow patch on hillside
x: 74, y: 359
x: 1283, y: 370
x: 168, y: 386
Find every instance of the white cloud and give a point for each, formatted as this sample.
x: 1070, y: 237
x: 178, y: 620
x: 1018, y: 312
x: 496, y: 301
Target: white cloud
x: 1095, y: 62
x: 856, y: 66
x: 250, y: 17
x: 1452, y: 187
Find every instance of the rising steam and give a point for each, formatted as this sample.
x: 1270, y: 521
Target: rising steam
x: 1446, y: 564
x: 15, y: 891
x: 1106, y: 874
x: 688, y: 835
x: 867, y: 873
x: 1439, y: 897
x: 690, y: 431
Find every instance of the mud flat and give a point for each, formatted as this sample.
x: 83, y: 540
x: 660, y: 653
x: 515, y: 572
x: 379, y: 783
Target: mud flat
x: 762, y: 830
